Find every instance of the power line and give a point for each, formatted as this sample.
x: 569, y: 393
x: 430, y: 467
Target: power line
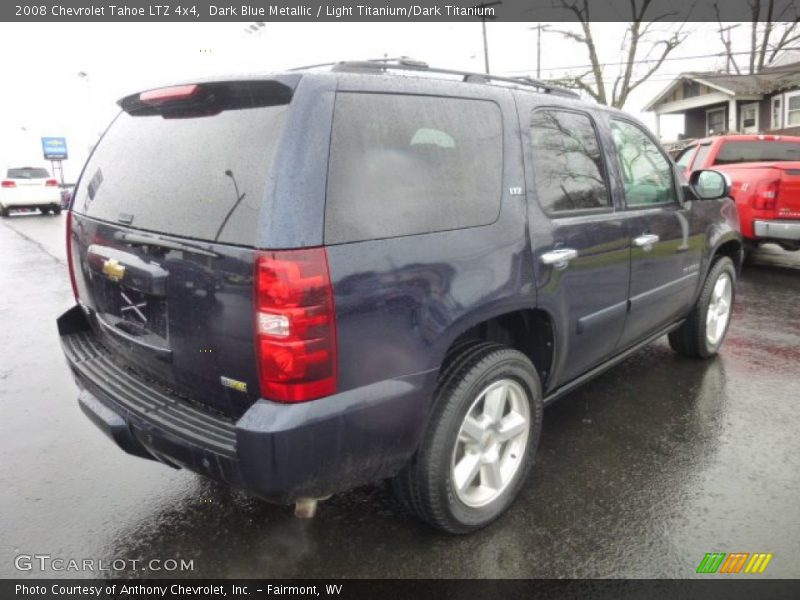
x: 662, y: 77
x: 642, y: 61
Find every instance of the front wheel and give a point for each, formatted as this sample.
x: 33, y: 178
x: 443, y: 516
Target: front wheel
x: 704, y: 330
x: 480, y: 443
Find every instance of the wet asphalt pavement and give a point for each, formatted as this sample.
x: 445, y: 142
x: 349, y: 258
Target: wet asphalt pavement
x: 638, y: 474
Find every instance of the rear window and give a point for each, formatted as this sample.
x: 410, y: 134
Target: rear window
x: 757, y: 151
x: 200, y: 177
x: 27, y: 173
x: 404, y: 165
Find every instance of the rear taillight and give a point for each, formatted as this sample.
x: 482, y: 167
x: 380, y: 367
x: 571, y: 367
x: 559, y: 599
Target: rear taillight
x: 70, y: 266
x: 767, y: 197
x: 51, y: 183
x: 8, y: 184
x: 295, y: 325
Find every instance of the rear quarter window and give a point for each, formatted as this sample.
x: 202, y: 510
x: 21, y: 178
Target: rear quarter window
x: 404, y: 165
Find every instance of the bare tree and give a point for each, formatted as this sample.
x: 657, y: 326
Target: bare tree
x: 774, y: 26
x: 644, y: 48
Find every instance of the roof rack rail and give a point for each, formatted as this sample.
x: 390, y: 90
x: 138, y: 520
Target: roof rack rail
x: 404, y: 63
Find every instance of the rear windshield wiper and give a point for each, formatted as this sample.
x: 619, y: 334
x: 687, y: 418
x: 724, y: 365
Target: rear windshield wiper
x: 149, y: 240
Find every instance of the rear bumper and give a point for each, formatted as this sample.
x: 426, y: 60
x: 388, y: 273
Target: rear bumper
x: 279, y: 452
x: 777, y: 230
x: 9, y: 201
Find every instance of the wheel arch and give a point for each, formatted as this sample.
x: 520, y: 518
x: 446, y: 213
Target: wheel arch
x: 529, y: 330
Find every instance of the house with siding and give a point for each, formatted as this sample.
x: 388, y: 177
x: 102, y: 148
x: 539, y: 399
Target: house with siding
x: 714, y: 103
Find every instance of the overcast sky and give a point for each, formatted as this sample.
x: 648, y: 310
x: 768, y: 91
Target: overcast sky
x: 43, y: 94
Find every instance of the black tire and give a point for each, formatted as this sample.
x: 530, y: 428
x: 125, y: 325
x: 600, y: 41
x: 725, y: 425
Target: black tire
x: 56, y: 210
x: 424, y: 486
x: 460, y: 352
x: 690, y: 338
x: 4, y: 212
x: 749, y: 250
x: 44, y: 210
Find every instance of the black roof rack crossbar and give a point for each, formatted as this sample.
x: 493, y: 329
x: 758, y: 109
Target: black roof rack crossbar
x: 404, y: 63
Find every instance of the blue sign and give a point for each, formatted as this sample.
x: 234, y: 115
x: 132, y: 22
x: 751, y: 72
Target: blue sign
x: 54, y: 148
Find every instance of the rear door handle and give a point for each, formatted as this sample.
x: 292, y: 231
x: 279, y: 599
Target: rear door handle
x: 559, y: 258
x: 646, y: 241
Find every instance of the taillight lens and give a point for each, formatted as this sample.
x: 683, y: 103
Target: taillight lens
x: 169, y: 94
x: 8, y: 184
x: 70, y: 266
x: 51, y: 183
x: 767, y: 197
x: 295, y: 325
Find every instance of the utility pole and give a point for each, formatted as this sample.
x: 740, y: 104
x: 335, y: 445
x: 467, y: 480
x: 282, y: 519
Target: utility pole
x: 485, y: 5
x: 727, y: 42
x: 539, y: 29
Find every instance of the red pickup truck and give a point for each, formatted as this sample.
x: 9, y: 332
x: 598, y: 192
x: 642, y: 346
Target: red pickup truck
x: 765, y: 182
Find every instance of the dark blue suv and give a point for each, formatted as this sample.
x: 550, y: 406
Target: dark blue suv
x: 303, y: 282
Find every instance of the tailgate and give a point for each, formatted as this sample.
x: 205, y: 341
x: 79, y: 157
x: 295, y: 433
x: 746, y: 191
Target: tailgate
x: 163, y: 233
x: 177, y: 312
x: 788, y: 198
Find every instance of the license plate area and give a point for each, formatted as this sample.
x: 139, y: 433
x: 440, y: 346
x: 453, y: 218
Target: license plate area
x: 132, y: 311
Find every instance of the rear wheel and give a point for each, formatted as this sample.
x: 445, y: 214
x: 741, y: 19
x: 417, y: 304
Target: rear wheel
x: 44, y: 210
x: 480, y: 442
x: 56, y: 210
x: 703, y: 332
x: 3, y: 211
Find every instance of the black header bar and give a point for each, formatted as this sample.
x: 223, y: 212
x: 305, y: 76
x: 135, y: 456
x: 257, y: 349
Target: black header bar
x: 166, y: 11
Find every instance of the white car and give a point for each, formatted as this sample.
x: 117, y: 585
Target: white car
x: 29, y: 187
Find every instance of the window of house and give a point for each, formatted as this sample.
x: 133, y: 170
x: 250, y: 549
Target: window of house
x: 749, y: 119
x: 567, y: 162
x: 776, y: 113
x: 715, y: 121
x: 646, y: 172
x: 792, y: 109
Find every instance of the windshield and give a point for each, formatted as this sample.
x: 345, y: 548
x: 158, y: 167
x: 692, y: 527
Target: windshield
x: 757, y: 151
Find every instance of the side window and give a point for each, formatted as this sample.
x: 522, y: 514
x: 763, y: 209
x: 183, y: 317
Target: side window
x: 646, y: 172
x: 702, y: 152
x: 684, y: 158
x: 403, y: 165
x: 567, y: 163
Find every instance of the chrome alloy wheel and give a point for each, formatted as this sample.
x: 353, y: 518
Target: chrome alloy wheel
x: 491, y: 443
x: 719, y: 309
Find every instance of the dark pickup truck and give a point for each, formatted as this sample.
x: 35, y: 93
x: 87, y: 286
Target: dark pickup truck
x: 302, y: 282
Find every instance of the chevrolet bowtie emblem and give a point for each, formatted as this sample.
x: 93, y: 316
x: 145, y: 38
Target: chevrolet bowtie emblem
x: 113, y: 269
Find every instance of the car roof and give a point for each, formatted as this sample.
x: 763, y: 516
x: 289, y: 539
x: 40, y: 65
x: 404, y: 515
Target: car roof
x: 365, y: 74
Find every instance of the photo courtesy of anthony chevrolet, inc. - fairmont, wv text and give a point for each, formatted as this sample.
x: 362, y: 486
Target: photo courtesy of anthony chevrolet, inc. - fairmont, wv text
x: 385, y: 299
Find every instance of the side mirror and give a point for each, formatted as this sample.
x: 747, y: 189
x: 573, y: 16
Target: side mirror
x: 709, y: 185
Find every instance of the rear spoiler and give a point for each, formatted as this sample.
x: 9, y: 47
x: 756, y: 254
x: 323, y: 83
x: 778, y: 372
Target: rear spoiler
x: 206, y: 99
